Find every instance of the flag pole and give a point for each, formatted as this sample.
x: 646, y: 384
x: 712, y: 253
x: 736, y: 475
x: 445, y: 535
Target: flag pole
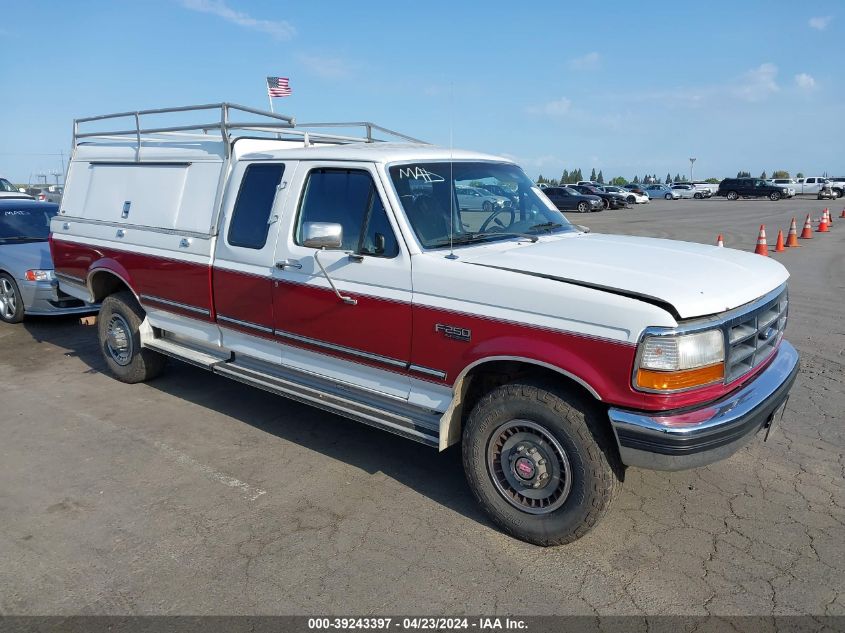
x: 270, y: 99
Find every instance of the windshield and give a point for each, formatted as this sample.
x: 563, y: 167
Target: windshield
x: 5, y: 185
x: 520, y: 208
x: 31, y: 223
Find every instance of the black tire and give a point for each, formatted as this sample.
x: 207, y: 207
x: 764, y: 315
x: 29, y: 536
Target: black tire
x: 774, y: 196
x: 486, y: 206
x: 11, y: 302
x: 570, y: 423
x: 118, y: 328
x: 583, y: 207
x: 632, y: 200
x: 732, y: 195
x: 697, y: 196
x: 605, y: 204
x: 668, y: 196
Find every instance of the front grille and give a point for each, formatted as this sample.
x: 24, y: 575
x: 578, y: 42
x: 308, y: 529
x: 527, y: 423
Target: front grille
x: 752, y: 337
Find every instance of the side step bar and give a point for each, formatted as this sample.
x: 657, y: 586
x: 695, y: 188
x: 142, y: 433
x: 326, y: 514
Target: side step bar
x: 383, y: 412
x: 199, y: 357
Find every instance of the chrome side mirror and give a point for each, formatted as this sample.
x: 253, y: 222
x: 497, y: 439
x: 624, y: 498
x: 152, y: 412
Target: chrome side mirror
x: 322, y: 235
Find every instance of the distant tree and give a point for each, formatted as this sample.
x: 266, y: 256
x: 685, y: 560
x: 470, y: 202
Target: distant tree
x: 763, y: 175
x: 541, y: 180
x: 619, y: 181
x: 577, y: 175
x: 743, y: 174
x: 593, y: 175
x: 780, y: 173
x: 668, y: 180
x: 678, y: 178
x: 553, y: 182
x: 714, y: 181
x: 636, y: 180
x: 799, y: 175
x: 600, y: 178
x: 565, y: 176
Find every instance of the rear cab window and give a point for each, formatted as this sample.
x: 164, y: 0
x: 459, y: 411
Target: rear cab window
x: 250, y: 217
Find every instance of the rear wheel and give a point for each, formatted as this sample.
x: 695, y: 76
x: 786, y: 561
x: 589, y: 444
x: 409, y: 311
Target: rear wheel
x: 118, y: 327
x: 583, y: 207
x: 540, y: 462
x: 668, y: 196
x: 11, y: 303
x: 732, y: 195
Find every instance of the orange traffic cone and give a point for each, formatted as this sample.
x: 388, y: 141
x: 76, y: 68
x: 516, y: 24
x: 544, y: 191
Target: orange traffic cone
x: 807, y: 232
x: 842, y: 215
x: 829, y: 218
x: 779, y: 246
x: 792, y: 236
x: 762, y: 247
x: 823, y: 227
x: 720, y: 242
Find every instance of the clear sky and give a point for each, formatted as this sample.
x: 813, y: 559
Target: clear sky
x: 628, y: 88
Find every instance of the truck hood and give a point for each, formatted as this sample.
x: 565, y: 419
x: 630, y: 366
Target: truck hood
x: 692, y: 279
x: 18, y: 258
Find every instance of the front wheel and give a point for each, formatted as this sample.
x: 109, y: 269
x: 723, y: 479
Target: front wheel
x: 774, y: 196
x: 668, y: 196
x: 540, y: 462
x: 11, y: 302
x: 118, y: 328
x: 583, y: 207
x: 697, y: 196
x: 732, y: 195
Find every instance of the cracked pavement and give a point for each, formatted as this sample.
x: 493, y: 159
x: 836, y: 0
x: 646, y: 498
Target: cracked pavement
x: 193, y: 494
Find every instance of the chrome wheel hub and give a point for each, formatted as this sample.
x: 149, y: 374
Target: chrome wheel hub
x: 119, y: 340
x: 8, y: 300
x: 529, y: 467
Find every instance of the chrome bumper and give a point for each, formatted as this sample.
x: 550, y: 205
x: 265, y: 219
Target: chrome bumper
x: 697, y: 437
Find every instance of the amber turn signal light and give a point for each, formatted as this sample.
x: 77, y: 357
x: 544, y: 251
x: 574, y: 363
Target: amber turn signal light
x: 678, y: 380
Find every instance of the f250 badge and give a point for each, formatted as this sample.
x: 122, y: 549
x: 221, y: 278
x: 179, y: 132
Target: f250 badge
x: 454, y: 332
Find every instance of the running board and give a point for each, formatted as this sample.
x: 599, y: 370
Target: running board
x: 372, y: 409
x: 180, y: 351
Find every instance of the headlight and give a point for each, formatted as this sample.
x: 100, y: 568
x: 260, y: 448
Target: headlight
x: 680, y: 362
x: 39, y: 275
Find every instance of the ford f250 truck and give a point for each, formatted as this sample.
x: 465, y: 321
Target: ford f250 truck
x: 340, y: 270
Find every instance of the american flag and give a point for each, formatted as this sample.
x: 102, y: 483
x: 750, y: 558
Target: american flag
x: 278, y: 87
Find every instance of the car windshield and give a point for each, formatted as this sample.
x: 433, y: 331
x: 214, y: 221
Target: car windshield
x: 435, y: 199
x: 26, y: 223
x: 5, y: 185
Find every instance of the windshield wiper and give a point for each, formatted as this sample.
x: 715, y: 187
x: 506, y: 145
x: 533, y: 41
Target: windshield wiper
x: 546, y: 226
x: 468, y: 238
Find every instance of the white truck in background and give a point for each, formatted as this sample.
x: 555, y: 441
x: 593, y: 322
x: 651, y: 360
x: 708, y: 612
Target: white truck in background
x: 816, y: 185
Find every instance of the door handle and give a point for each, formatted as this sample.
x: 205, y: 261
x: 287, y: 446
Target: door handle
x: 288, y: 263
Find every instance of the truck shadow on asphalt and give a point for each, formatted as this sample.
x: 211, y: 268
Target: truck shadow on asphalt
x: 438, y: 476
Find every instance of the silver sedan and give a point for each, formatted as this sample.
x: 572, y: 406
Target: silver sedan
x: 27, y: 285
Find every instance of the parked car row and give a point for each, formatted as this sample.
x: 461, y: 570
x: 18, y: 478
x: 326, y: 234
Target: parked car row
x: 819, y: 186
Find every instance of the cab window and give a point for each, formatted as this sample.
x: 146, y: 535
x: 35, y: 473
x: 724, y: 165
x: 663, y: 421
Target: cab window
x: 249, y: 225
x: 348, y: 197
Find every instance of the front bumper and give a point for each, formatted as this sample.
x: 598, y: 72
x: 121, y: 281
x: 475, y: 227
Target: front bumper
x: 44, y: 298
x: 693, y: 438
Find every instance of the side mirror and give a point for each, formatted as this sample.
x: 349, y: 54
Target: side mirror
x: 322, y: 235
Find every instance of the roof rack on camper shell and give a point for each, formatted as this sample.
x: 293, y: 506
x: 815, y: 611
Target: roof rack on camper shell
x: 269, y: 123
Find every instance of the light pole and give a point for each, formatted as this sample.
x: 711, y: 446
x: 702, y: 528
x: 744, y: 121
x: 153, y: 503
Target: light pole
x: 691, y: 162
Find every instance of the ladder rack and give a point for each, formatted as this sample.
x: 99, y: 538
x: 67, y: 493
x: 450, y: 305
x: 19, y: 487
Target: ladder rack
x: 282, y: 126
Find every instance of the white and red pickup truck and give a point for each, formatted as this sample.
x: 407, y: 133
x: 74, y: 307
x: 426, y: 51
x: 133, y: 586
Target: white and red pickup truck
x: 341, y: 271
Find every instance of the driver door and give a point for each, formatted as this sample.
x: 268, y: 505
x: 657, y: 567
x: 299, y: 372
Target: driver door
x: 359, y: 334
